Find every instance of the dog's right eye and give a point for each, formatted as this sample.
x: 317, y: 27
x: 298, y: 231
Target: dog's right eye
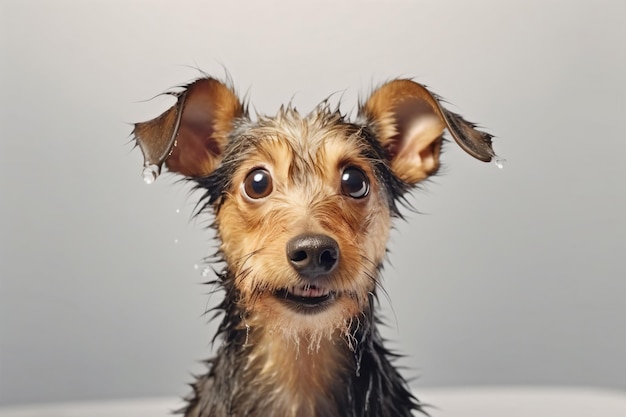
x: 258, y: 184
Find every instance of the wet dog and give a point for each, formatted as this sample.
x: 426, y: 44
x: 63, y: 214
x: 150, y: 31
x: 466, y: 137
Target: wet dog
x: 303, y: 206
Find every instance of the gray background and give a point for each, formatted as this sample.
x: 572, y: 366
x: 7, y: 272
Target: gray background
x: 508, y: 277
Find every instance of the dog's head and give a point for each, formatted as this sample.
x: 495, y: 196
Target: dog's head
x: 303, y: 204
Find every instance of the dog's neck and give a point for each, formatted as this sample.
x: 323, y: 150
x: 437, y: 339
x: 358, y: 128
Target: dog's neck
x: 259, y: 373
x: 290, y: 378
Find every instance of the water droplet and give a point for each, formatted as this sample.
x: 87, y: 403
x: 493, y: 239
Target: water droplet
x: 205, y: 271
x: 177, y: 211
x: 176, y: 241
x: 196, y: 266
x: 499, y: 162
x: 150, y: 173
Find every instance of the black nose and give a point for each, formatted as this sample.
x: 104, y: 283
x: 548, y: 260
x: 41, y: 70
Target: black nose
x: 313, y: 255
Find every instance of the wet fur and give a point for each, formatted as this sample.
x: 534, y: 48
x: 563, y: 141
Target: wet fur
x: 265, y: 367
x: 272, y: 360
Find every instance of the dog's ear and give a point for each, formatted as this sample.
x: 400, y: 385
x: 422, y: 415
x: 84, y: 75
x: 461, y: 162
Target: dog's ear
x: 409, y: 122
x: 190, y: 137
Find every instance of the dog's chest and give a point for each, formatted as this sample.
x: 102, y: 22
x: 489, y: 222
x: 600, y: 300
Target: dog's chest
x: 300, y: 379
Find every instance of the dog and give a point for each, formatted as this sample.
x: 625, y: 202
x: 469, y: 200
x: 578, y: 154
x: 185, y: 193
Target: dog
x: 302, y: 206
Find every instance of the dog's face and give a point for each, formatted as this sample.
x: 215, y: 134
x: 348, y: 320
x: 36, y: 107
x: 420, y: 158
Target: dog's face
x: 304, y: 219
x: 303, y: 204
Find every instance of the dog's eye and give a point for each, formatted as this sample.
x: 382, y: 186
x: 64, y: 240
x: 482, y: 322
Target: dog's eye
x: 354, y: 183
x: 258, y: 184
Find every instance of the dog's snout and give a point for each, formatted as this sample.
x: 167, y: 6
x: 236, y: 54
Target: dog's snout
x: 313, y: 255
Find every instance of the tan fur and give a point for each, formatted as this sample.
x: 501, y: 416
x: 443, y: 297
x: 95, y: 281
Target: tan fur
x: 410, y: 123
x: 254, y: 233
x: 192, y: 135
x: 306, y: 371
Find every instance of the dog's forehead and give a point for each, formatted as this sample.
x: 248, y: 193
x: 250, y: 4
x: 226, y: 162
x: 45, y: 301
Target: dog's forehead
x: 321, y: 137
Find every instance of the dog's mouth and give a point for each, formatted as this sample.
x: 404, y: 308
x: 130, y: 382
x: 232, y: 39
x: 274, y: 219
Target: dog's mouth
x: 306, y: 298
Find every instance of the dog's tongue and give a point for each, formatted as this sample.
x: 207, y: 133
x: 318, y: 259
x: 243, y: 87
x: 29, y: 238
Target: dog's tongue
x: 309, y: 291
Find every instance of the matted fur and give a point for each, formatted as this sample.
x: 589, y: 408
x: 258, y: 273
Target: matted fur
x: 273, y: 359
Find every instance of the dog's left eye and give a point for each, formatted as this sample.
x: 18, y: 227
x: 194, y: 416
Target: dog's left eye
x: 354, y: 183
x: 258, y: 184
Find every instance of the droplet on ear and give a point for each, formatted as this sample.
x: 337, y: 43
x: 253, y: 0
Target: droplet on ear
x: 499, y: 162
x: 150, y: 173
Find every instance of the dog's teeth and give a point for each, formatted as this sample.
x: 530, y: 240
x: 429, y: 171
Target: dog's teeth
x: 309, y: 291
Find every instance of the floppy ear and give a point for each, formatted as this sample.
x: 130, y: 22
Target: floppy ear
x: 409, y: 122
x: 190, y: 137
